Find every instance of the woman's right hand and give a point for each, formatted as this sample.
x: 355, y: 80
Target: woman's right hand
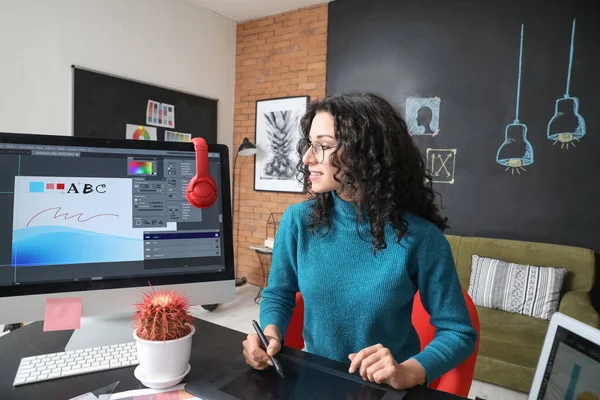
x: 255, y: 355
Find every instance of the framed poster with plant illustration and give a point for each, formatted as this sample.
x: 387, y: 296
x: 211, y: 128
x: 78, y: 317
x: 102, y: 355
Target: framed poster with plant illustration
x: 277, y: 128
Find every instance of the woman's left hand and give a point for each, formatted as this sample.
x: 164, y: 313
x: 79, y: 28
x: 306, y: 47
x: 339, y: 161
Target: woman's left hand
x: 378, y: 365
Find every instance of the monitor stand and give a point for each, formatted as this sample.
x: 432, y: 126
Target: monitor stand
x: 102, y: 331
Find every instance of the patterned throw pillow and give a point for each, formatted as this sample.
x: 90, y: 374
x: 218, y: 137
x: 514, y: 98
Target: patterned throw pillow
x: 523, y: 289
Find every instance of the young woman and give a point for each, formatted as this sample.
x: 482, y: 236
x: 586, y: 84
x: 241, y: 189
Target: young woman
x: 358, y: 251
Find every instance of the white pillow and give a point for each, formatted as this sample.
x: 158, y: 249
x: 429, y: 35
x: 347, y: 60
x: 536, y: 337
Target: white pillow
x: 523, y: 289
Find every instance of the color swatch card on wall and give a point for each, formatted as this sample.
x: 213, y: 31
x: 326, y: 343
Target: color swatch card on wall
x: 140, y: 132
x: 171, y: 136
x: 167, y: 115
x: 160, y: 114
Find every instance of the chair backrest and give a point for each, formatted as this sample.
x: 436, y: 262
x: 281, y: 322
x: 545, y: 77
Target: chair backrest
x: 293, y: 336
x: 458, y: 380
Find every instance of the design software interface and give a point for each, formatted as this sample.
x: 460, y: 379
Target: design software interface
x: 71, y: 213
x: 572, y: 369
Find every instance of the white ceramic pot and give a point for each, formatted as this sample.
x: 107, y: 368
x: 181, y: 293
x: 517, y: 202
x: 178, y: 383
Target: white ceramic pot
x: 164, y: 360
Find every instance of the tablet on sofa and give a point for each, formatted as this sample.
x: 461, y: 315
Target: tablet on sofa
x: 569, y: 365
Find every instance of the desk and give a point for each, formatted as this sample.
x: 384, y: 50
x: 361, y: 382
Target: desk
x: 212, y: 345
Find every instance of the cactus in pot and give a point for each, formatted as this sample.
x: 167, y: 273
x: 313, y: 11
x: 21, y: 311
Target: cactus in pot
x: 162, y: 315
x: 163, y: 334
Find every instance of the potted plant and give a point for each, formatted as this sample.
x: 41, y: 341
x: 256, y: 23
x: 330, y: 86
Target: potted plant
x: 163, y: 335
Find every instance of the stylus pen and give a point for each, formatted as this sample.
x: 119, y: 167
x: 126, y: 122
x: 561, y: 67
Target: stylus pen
x: 265, y: 343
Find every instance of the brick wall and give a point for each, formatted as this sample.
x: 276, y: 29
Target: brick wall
x: 277, y: 56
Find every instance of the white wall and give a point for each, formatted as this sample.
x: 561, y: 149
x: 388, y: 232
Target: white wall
x: 41, y: 39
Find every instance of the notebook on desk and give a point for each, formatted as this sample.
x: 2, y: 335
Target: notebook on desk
x: 303, y: 380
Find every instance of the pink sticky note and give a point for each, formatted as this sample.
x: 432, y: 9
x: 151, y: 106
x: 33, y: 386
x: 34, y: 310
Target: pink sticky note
x: 62, y: 314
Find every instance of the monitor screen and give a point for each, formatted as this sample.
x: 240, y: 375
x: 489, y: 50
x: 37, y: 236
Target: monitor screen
x: 572, y: 369
x: 91, y: 212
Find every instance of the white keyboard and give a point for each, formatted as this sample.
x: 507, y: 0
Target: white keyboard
x: 75, y: 362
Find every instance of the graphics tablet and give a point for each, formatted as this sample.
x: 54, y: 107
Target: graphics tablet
x: 303, y: 380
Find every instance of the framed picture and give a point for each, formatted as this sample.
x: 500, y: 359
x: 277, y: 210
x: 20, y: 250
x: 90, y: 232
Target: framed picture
x: 277, y: 128
x: 423, y: 115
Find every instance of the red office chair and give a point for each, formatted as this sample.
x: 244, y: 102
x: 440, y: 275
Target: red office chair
x: 457, y: 381
x: 293, y: 337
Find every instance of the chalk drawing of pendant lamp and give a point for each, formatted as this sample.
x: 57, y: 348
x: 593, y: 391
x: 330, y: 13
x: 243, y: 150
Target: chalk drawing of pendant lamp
x: 567, y: 126
x: 516, y: 152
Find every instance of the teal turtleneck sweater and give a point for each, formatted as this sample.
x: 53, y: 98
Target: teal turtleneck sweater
x: 354, y: 299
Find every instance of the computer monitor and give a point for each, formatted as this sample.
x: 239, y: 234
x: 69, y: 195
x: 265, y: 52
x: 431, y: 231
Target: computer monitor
x: 103, y: 219
x: 569, y: 364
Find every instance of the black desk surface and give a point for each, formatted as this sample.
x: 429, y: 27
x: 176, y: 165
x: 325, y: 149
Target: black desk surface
x: 212, y: 345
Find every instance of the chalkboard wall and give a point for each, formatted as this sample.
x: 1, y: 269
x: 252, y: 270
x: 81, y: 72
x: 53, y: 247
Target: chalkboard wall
x: 452, y: 67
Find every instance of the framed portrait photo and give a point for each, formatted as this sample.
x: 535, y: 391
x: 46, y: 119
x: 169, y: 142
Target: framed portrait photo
x: 277, y: 133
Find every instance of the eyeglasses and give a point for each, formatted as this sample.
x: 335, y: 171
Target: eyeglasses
x: 318, y: 149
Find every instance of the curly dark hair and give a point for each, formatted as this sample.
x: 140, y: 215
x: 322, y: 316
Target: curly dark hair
x: 375, y: 158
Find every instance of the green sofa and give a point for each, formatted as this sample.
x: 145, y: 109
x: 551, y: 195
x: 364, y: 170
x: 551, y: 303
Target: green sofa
x: 510, y: 344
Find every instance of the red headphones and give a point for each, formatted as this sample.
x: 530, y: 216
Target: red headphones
x: 201, y: 192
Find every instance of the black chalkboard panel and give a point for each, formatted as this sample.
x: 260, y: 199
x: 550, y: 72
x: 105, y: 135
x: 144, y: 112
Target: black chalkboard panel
x: 466, y: 53
x: 104, y: 104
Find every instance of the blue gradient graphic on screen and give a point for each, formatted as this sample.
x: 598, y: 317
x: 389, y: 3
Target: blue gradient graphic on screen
x: 573, y: 382
x: 51, y: 245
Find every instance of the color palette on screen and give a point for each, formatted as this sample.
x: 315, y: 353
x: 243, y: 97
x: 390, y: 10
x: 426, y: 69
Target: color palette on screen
x: 141, y: 167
